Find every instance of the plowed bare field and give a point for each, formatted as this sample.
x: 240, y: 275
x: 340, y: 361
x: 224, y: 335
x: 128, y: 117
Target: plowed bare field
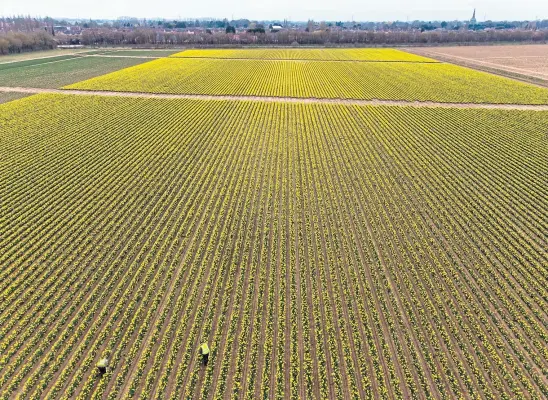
x: 517, y: 60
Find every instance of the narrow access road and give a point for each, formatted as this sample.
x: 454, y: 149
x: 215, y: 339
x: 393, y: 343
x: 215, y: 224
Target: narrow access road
x: 401, y: 103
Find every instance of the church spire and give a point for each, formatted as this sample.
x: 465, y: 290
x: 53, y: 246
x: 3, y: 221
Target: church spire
x: 473, y: 20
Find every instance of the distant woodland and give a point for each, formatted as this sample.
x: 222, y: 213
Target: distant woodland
x: 22, y: 34
x: 17, y: 42
x: 109, y: 37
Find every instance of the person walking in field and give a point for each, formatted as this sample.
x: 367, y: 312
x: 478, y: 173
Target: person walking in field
x: 204, y: 352
x: 102, y: 366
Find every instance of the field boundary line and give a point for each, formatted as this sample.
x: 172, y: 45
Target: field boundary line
x: 432, y: 61
x: 41, y: 58
x: 272, y: 99
x: 120, y: 56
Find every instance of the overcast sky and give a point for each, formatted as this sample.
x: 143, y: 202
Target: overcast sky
x: 383, y: 10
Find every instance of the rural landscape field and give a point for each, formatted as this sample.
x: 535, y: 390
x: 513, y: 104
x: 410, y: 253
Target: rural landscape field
x: 334, y: 223
x: 526, y: 62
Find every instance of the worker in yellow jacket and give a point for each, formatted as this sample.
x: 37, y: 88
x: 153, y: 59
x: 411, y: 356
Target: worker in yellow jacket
x: 102, y: 366
x: 204, y: 352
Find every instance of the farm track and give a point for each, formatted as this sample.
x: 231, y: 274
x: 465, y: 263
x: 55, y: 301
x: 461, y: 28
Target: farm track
x: 45, y: 57
x: 269, y: 99
x: 120, y: 56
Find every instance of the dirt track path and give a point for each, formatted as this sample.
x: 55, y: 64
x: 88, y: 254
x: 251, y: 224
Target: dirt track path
x: 401, y: 103
x: 76, y: 53
x: 119, y: 56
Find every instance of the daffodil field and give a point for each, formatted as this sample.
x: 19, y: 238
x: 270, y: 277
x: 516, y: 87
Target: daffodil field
x: 307, y: 54
x: 318, y: 79
x: 322, y: 250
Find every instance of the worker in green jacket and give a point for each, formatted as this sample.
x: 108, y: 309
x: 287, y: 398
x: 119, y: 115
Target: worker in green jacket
x: 204, y: 352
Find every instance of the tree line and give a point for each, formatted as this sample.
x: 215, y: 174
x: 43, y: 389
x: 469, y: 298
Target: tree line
x: 18, y: 42
x: 154, y: 37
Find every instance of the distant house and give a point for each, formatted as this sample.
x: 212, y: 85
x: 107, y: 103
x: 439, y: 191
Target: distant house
x: 276, y: 28
x: 63, y: 29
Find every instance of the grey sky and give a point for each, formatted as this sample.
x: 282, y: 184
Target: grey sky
x: 384, y: 10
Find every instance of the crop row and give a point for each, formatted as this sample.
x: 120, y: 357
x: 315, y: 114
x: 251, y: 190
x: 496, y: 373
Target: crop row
x: 323, y: 251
